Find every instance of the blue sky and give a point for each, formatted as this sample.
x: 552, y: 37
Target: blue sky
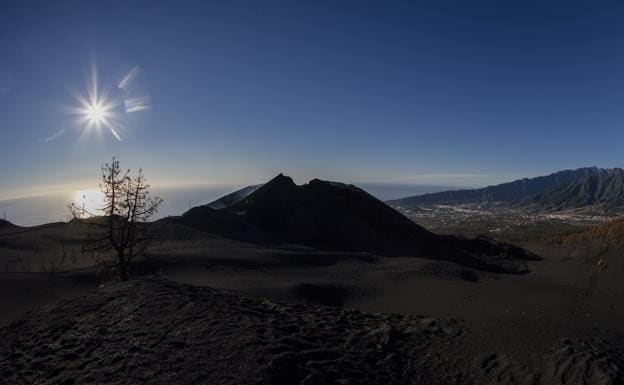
x: 427, y: 92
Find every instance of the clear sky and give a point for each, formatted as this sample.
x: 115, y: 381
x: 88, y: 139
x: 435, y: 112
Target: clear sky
x: 433, y: 92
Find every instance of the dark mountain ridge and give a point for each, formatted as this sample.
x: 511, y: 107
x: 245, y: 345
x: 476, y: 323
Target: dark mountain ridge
x: 328, y: 215
x: 514, y: 191
x: 338, y: 217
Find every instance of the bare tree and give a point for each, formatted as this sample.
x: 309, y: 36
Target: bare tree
x: 122, y: 229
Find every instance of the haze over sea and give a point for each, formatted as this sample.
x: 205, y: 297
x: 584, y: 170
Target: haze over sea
x: 37, y: 210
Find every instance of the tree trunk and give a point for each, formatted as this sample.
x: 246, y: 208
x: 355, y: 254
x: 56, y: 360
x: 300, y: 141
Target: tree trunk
x: 123, y: 268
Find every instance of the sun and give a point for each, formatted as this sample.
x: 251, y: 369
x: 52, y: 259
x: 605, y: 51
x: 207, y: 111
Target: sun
x: 108, y: 109
x: 96, y: 114
x: 89, y: 202
x: 96, y: 111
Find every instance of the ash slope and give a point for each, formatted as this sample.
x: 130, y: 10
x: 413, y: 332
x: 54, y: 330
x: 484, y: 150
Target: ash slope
x: 338, y: 217
x: 159, y: 332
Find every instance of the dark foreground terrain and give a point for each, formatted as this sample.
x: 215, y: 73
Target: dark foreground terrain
x: 357, y: 276
x: 159, y: 332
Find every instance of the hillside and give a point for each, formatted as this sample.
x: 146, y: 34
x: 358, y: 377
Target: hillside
x: 611, y: 233
x: 597, y: 251
x: 601, y: 192
x: 6, y: 225
x: 591, y: 243
x: 230, y: 199
x: 337, y: 217
x: 515, y: 191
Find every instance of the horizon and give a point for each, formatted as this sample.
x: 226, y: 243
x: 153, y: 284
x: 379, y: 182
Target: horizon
x: 34, y: 210
x: 418, y: 181
x: 414, y: 93
x: 51, y: 206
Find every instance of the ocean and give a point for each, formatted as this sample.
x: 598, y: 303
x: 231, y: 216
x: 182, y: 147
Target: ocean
x: 37, y: 210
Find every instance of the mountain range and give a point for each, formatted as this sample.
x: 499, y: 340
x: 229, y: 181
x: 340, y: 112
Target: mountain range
x: 590, y: 188
x: 603, y: 190
x: 339, y: 217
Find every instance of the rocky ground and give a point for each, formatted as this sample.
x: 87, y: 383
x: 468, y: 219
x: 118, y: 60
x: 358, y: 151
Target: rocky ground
x: 160, y: 332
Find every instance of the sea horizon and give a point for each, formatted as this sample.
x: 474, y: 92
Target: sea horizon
x: 52, y: 207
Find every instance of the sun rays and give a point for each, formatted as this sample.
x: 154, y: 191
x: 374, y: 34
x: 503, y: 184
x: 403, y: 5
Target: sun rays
x: 96, y: 111
x: 99, y: 111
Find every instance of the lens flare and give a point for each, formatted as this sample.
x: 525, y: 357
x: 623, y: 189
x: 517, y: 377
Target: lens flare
x: 96, y: 111
x: 136, y: 98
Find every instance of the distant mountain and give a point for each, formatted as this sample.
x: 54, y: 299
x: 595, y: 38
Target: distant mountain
x: 338, y: 217
x: 603, y: 191
x: 234, y: 197
x: 515, y: 191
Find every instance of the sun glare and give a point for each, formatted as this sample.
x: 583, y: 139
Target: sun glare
x: 96, y: 114
x: 90, y: 202
x: 96, y: 111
